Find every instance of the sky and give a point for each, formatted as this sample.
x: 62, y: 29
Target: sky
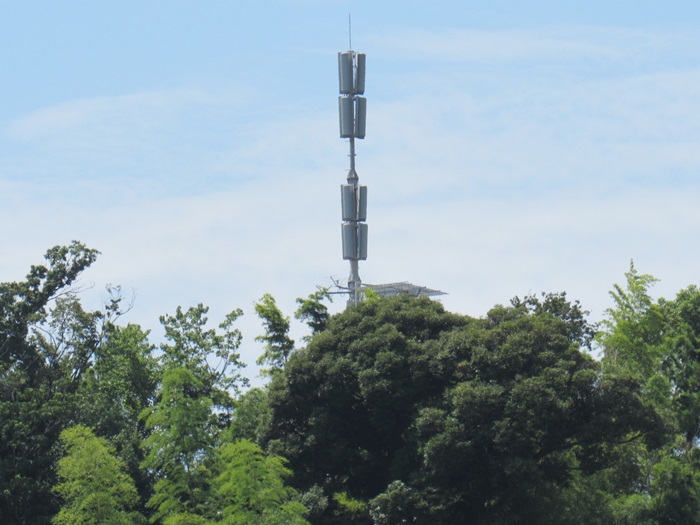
x: 512, y: 148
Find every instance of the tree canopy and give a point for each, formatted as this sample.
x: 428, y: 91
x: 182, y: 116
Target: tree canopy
x: 401, y: 408
x: 392, y: 411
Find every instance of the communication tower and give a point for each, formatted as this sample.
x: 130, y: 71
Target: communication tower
x: 353, y: 112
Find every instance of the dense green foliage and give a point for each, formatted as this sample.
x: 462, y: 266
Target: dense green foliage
x: 401, y: 409
x: 180, y: 444
x: 43, y: 358
x: 139, y: 427
x: 394, y: 411
x: 93, y: 483
x: 658, y: 345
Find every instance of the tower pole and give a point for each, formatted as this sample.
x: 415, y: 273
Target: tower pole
x: 354, y: 281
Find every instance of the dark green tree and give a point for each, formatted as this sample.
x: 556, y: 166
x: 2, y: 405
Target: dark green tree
x: 343, y: 405
x: 120, y: 385
x: 680, y: 352
x: 313, y: 311
x: 251, y: 417
x: 531, y: 410
x: 414, y: 412
x: 44, y: 356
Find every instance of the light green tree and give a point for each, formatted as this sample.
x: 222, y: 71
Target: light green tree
x: 631, y: 333
x: 187, y: 518
x: 278, y: 344
x: 180, y: 445
x: 655, y: 343
x: 93, y: 483
x: 251, y: 488
x: 201, y: 367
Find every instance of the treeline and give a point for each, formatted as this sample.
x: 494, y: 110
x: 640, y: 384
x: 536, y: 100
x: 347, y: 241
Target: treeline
x: 394, y: 411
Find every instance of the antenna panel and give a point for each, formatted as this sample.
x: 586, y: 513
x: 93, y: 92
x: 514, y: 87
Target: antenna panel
x: 362, y: 231
x: 362, y: 204
x: 349, y: 241
x: 347, y: 121
x: 360, y: 73
x: 345, y: 76
x: 353, y: 205
x: 349, y: 202
x: 360, y: 117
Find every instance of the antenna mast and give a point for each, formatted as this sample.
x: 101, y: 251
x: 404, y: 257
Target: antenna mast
x: 353, y: 111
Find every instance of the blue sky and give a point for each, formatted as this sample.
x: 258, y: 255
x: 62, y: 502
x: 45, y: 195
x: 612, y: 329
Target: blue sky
x: 512, y: 147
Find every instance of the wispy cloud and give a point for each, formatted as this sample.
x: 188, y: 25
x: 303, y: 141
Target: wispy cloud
x: 498, y: 162
x: 541, y: 45
x: 125, y: 112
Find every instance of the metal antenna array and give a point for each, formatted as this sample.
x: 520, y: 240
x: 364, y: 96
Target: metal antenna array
x: 353, y: 112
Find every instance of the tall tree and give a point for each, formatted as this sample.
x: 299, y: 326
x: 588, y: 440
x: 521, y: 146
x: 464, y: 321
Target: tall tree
x: 43, y: 358
x: 681, y: 361
x: 180, y: 448
x: 342, y: 407
x: 201, y: 367
x: 120, y: 385
x: 631, y: 332
x: 278, y: 344
x: 93, y: 483
x: 210, y: 354
x: 656, y: 344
